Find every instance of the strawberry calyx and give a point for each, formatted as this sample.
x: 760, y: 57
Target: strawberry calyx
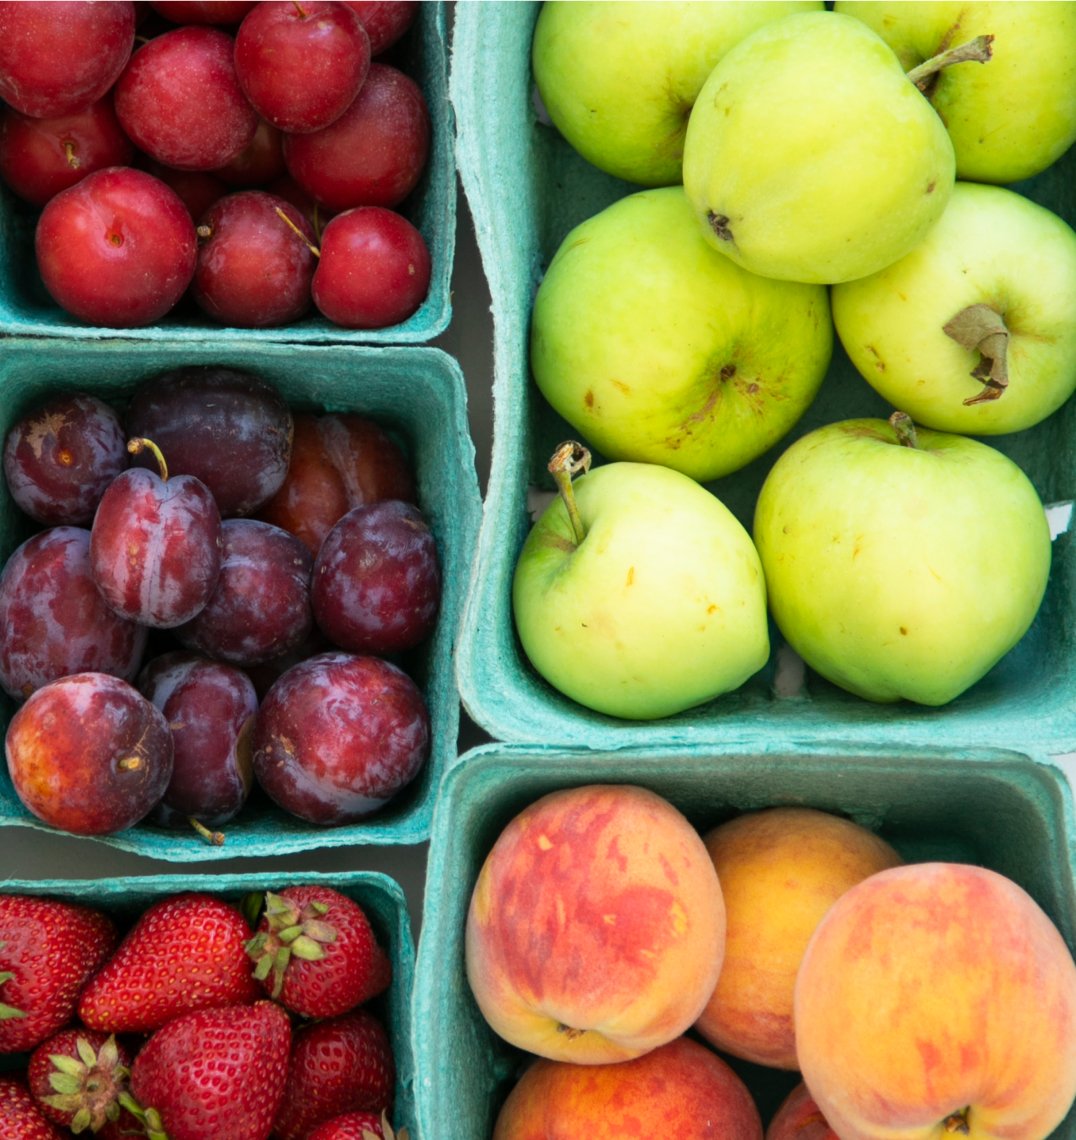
x: 7, y: 1012
x: 149, y: 1118
x: 87, y: 1088
x: 292, y: 931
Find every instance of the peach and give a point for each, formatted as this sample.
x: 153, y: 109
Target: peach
x: 799, y: 1118
x: 938, y: 997
x: 681, y: 1089
x: 780, y: 870
x: 596, y: 926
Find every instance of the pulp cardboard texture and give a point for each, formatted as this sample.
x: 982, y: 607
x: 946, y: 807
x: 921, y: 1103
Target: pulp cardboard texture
x: 26, y: 307
x: 418, y: 394
x: 381, y: 898
x: 1006, y: 810
x: 526, y: 189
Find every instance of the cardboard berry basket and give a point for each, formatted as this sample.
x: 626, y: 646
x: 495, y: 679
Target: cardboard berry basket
x: 380, y: 896
x: 1006, y: 810
x: 422, y: 53
x: 526, y: 189
x: 418, y: 394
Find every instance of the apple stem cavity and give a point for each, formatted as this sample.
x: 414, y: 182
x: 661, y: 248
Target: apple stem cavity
x: 979, y: 328
x: 902, y: 424
x: 569, y: 459
x: 977, y: 50
x: 139, y: 444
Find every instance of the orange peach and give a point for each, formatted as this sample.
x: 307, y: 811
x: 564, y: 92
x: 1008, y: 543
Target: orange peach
x: 596, y: 926
x: 780, y: 870
x: 934, y: 998
x: 799, y: 1118
x: 681, y: 1089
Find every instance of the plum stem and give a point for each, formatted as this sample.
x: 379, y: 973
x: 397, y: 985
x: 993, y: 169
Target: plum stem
x: 977, y: 50
x: 981, y: 329
x: 568, y: 460
x: 139, y: 444
x: 71, y: 155
x: 903, y: 425
x: 129, y: 763
x: 213, y: 838
x: 306, y: 241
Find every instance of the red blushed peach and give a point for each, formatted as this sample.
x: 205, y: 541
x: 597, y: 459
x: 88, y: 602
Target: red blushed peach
x: 799, y: 1118
x: 780, y: 870
x: 680, y: 1090
x: 596, y: 926
x: 938, y: 997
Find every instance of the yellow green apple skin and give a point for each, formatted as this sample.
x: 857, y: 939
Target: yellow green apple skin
x: 619, y: 79
x: 994, y: 248
x: 1011, y: 117
x: 898, y: 571
x: 661, y: 607
x: 596, y: 926
x: 657, y: 349
x: 810, y: 156
x: 938, y: 999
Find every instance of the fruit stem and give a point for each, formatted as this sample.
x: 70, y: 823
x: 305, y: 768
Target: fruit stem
x: 569, y: 459
x: 902, y: 424
x: 139, y: 444
x: 981, y: 329
x: 71, y: 155
x: 957, y: 1122
x: 977, y: 50
x: 213, y: 838
x: 306, y: 241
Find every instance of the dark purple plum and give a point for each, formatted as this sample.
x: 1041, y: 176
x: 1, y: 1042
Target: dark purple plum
x: 209, y: 707
x: 338, y: 736
x: 377, y: 580
x: 53, y: 619
x: 260, y: 608
x: 156, y: 545
x: 227, y: 426
x: 60, y: 457
x: 88, y: 754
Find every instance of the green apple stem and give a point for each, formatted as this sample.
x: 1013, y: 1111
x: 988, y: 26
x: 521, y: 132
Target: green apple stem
x: 981, y: 329
x: 139, y: 444
x: 903, y: 425
x: 977, y: 50
x: 568, y: 460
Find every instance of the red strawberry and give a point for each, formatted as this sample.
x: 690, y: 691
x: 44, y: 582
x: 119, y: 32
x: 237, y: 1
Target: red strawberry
x: 20, y: 1118
x: 185, y: 952
x: 357, y: 1126
x: 214, y: 1073
x: 48, y: 948
x: 76, y: 1077
x: 341, y: 1065
x: 316, y: 953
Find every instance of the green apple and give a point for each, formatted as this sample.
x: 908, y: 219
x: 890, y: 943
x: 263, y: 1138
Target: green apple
x: 974, y: 331
x: 810, y: 155
x: 900, y: 564
x: 655, y: 348
x: 1008, y: 120
x: 619, y: 79
x: 637, y: 593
